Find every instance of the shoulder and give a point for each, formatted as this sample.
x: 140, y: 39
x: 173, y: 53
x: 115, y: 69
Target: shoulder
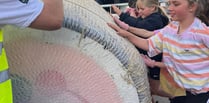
x: 157, y: 20
x: 169, y: 29
x: 153, y: 16
x: 157, y: 17
x: 200, y: 28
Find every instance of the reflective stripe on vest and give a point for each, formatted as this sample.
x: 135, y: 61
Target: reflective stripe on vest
x: 1, y: 41
x: 4, y: 75
x: 3, y: 59
x: 5, y: 82
x: 1, y: 46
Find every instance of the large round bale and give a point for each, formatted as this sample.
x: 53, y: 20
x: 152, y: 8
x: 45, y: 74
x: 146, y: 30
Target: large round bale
x: 84, y: 62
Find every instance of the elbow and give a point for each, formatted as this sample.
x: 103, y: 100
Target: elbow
x: 57, y: 24
x: 53, y: 14
x: 47, y: 23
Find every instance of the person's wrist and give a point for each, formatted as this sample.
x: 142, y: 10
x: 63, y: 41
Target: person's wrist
x: 154, y: 64
x: 129, y: 37
x: 126, y: 27
x: 119, y: 13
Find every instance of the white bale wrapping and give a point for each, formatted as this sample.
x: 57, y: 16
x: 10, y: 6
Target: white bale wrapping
x: 84, y: 62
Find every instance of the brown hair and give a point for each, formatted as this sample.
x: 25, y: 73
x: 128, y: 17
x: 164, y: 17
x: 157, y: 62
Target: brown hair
x: 202, y: 11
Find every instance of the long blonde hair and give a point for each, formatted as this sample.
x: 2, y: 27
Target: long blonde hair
x: 155, y: 3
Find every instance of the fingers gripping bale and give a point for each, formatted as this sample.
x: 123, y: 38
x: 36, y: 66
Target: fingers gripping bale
x: 84, y: 62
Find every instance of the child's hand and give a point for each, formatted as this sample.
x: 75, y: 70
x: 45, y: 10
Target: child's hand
x: 149, y: 62
x: 119, y: 31
x: 121, y: 24
x: 132, y: 12
x: 116, y: 10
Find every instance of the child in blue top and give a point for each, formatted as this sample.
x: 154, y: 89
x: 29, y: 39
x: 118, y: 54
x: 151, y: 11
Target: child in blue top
x: 152, y: 17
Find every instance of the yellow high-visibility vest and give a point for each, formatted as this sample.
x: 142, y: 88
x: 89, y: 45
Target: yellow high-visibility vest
x: 5, y: 81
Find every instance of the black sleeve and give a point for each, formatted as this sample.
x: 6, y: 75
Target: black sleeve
x: 131, y: 21
x: 151, y: 23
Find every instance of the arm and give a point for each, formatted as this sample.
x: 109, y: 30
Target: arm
x: 160, y: 65
x: 130, y: 20
x: 137, y: 41
x: 137, y: 31
x: 152, y: 63
x: 116, y: 10
x: 130, y: 12
x: 141, y: 32
x: 51, y: 16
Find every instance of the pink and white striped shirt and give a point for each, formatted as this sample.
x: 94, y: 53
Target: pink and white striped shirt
x: 185, y: 55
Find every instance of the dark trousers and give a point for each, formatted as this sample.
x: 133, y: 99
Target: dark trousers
x: 191, y: 98
x: 154, y: 73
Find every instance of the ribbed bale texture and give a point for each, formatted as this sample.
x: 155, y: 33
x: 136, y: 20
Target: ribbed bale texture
x: 89, y: 19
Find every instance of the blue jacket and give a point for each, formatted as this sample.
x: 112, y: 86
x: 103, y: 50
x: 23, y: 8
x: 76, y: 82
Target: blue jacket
x: 152, y: 22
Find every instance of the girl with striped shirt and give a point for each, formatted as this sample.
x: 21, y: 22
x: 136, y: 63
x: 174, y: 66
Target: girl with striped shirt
x: 185, y: 47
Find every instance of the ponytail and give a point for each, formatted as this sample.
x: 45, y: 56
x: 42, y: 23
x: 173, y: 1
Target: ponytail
x: 203, y: 11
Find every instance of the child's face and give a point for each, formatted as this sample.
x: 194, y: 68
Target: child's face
x: 144, y: 10
x: 180, y: 10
